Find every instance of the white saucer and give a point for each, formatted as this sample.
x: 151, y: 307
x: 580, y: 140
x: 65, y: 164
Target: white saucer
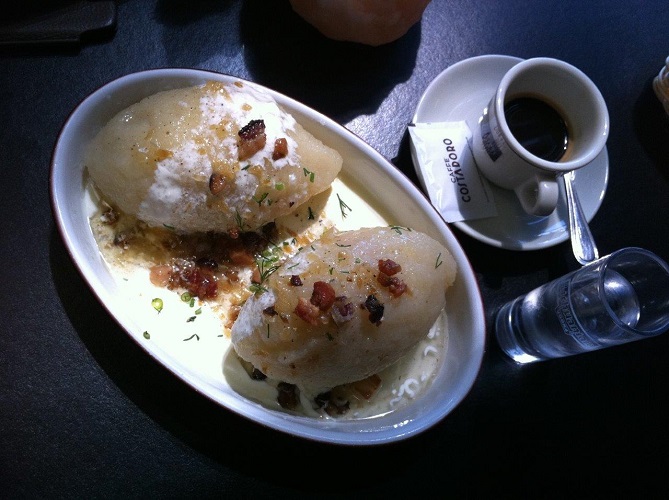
x: 461, y: 92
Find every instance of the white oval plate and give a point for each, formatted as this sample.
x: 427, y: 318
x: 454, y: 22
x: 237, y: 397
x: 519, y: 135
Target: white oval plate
x: 387, y: 187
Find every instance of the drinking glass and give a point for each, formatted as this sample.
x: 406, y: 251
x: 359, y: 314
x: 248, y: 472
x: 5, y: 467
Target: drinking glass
x: 616, y: 299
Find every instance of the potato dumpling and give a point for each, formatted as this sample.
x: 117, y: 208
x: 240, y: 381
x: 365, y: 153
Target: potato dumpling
x: 345, y: 307
x: 216, y: 157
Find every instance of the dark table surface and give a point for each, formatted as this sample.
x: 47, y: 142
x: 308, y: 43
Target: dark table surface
x: 85, y: 412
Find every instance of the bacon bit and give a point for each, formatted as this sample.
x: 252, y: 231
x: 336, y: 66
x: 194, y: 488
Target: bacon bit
x: 234, y: 233
x: 270, y: 311
x: 288, y: 396
x: 252, y: 130
x: 342, y: 310
x: 323, y: 295
x: 389, y: 267
x: 395, y: 286
x: 322, y: 398
x: 280, y: 149
x: 252, y: 139
x: 307, y: 311
x: 162, y: 154
x: 268, y: 231
x: 334, y: 408
x: 367, y: 387
x: 332, y: 402
x: 207, y: 262
x: 160, y: 275
x: 383, y: 279
x: 109, y: 216
x: 345, y: 310
x: 122, y: 240
x: 375, y: 309
x: 241, y: 256
x: 216, y: 183
x: 295, y: 280
x: 200, y: 282
x: 251, y: 370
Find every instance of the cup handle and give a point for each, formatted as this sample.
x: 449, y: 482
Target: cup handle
x: 538, y: 195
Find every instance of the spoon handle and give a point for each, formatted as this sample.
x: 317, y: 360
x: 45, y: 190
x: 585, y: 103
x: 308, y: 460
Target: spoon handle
x: 582, y: 242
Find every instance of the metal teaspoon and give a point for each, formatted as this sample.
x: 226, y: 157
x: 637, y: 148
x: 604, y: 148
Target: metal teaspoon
x: 582, y: 242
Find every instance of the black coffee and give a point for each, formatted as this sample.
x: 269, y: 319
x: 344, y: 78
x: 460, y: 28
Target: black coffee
x: 538, y: 127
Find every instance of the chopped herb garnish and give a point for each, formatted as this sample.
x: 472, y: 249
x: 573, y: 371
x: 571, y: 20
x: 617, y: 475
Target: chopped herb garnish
x: 439, y: 261
x: 264, y: 274
x: 279, y: 186
x: 194, y: 336
x: 191, y: 319
x: 157, y: 304
x: 399, y: 229
x: 267, y: 264
x: 171, y: 228
x: 310, y: 174
x: 186, y: 297
x: 340, y: 245
x: 311, y: 214
x: 238, y: 220
x: 146, y: 335
x: 261, y: 199
x: 343, y: 207
x: 257, y: 288
x: 198, y: 310
x: 329, y: 336
x: 267, y: 330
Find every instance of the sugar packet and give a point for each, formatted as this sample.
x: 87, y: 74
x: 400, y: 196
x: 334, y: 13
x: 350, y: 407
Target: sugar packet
x: 448, y: 173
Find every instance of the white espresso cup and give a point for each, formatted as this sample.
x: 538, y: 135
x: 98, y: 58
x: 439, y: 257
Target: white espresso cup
x: 545, y: 119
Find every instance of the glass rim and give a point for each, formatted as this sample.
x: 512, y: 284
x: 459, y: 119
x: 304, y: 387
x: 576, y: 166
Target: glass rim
x: 607, y: 264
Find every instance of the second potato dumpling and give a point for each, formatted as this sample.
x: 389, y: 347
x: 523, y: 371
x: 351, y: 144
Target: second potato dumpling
x: 345, y: 307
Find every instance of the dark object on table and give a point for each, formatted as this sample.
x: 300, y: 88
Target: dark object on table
x: 59, y: 22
